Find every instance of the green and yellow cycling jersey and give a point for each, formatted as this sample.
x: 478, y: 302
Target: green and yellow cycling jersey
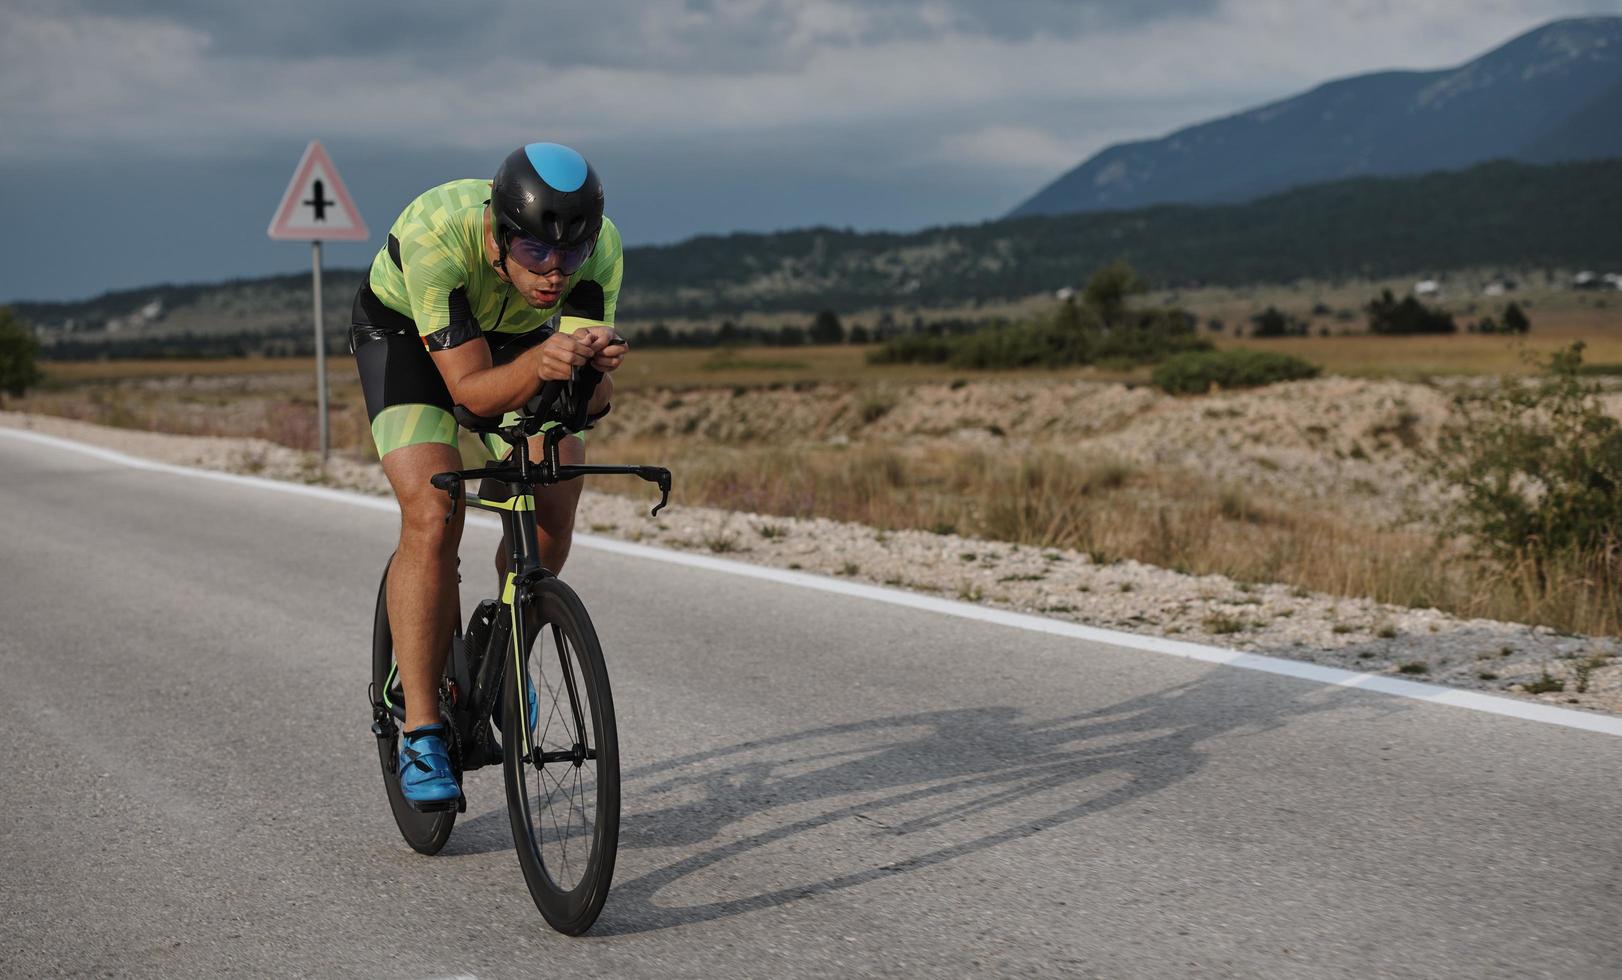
x: 432, y: 269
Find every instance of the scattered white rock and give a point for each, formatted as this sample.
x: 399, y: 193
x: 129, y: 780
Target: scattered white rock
x: 1356, y: 634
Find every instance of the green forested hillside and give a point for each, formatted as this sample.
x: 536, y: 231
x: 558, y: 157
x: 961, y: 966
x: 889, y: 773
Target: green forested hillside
x: 1505, y: 214
x: 1498, y: 214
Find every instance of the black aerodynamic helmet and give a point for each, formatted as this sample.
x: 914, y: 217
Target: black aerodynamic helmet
x: 547, y: 192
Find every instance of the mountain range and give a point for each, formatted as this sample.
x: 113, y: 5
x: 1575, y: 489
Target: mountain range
x: 1551, y: 95
x: 1502, y: 215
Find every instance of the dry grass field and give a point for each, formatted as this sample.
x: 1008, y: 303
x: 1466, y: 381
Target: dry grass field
x: 67, y: 374
x: 1336, y: 341
x: 1361, y: 355
x: 1311, y: 485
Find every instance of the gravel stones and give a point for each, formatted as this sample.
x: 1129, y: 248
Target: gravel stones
x: 1356, y: 634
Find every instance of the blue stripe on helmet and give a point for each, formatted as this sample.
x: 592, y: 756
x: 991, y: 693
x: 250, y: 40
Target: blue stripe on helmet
x: 558, y: 165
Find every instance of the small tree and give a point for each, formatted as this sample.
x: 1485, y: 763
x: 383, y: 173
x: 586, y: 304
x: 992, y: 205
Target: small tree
x: 1389, y: 315
x: 826, y: 328
x: 1271, y: 322
x: 19, y: 354
x: 1069, y: 318
x: 1515, y: 319
x: 658, y: 335
x: 1109, y: 289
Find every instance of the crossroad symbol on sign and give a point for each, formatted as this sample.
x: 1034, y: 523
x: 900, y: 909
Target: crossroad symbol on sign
x: 319, y: 202
x: 316, y: 205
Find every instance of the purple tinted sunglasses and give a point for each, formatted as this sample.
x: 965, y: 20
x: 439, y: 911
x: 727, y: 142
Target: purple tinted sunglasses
x: 535, y: 255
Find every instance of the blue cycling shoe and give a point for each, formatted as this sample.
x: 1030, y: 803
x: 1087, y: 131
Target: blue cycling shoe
x: 426, y: 779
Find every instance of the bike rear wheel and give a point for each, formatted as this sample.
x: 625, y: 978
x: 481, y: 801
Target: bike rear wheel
x: 425, y: 832
x: 562, y: 769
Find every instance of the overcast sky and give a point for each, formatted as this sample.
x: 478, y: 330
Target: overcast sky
x: 149, y: 140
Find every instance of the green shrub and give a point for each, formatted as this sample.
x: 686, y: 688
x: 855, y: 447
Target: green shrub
x: 1070, y: 338
x: 1272, y: 322
x: 1515, y: 319
x: 1537, y: 466
x: 1023, y: 345
x: 19, y: 350
x: 826, y: 328
x: 1102, y: 329
x: 1195, y: 373
x: 1109, y: 289
x: 1151, y: 338
x: 1388, y: 315
x: 912, y: 349
x: 1546, y: 684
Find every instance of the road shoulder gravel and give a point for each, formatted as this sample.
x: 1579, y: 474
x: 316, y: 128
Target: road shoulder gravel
x: 1516, y: 660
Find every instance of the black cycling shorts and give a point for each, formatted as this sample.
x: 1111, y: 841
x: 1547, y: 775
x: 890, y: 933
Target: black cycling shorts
x: 406, y: 398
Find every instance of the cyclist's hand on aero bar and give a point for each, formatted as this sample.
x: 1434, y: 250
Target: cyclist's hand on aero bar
x: 609, y: 346
x: 558, y: 356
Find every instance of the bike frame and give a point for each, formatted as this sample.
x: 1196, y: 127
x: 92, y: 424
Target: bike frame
x: 508, y: 488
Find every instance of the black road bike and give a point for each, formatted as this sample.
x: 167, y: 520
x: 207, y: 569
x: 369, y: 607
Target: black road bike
x: 535, y: 650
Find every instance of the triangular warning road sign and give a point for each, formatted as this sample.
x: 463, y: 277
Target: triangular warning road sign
x: 317, y: 205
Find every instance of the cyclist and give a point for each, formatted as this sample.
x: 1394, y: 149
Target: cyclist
x: 483, y: 291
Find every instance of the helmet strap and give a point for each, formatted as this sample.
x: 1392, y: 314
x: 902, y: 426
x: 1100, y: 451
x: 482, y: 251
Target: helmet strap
x: 500, y: 264
x: 500, y: 235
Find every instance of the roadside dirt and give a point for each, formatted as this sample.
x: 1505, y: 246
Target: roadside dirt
x: 1268, y: 438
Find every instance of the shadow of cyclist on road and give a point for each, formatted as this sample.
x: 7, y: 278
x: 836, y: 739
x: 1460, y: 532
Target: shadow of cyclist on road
x: 845, y: 804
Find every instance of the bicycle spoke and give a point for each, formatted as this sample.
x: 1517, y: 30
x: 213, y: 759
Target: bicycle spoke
x: 554, y: 710
x: 563, y: 800
x: 563, y: 841
x: 557, y: 784
x: 583, y: 830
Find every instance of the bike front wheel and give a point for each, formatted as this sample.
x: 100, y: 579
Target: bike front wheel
x: 562, y: 767
x: 425, y: 832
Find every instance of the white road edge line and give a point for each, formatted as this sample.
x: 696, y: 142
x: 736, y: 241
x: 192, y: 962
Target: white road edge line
x: 1416, y: 690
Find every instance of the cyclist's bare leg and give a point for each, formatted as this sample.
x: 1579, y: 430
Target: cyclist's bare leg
x: 423, y: 601
x: 554, y: 510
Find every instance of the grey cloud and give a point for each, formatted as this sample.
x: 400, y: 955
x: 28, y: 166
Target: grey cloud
x: 1021, y: 20
x: 313, y: 28
x: 724, y: 35
x: 712, y: 115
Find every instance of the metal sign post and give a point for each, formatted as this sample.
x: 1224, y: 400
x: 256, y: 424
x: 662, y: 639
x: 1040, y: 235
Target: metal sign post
x: 307, y: 212
x: 320, y: 349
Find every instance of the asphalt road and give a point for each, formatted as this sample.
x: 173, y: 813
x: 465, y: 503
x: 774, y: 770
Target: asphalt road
x: 814, y: 785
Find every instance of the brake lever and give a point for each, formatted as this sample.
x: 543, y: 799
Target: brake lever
x: 451, y: 483
x: 659, y: 476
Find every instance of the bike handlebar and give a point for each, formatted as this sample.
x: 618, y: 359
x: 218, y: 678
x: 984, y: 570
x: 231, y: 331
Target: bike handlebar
x: 564, y: 402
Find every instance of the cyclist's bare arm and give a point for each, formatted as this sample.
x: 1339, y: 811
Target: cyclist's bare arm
x: 491, y: 390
